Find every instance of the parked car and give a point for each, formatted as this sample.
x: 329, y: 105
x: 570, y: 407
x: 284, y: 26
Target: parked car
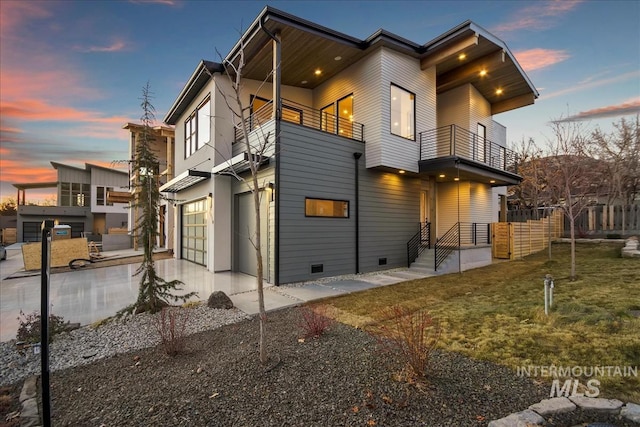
x: 3, y: 252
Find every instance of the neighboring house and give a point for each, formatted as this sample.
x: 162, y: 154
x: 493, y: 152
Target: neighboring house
x: 372, y: 138
x: 82, y: 203
x: 162, y: 144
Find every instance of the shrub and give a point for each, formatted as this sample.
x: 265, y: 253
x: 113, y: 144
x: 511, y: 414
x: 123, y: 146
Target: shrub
x: 29, y: 327
x: 314, y: 321
x: 171, y: 324
x: 410, y: 336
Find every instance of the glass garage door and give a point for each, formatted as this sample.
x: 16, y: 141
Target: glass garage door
x: 194, y: 232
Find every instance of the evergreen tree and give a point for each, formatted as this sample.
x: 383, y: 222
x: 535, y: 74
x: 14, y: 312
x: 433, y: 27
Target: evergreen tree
x: 155, y: 292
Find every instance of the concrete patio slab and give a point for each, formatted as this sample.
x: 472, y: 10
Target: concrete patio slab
x: 310, y: 292
x: 248, y: 301
x: 350, y: 285
x: 382, y: 280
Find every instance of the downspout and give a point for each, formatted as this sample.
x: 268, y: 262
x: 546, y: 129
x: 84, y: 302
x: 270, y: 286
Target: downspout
x: 277, y: 102
x: 356, y: 157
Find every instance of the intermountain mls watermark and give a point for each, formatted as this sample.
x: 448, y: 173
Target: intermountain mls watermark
x: 572, y: 386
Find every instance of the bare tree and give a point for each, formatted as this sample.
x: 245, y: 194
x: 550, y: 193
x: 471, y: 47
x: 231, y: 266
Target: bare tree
x: 572, y: 176
x: 154, y: 292
x: 257, y: 148
x: 530, y: 168
x: 619, y: 151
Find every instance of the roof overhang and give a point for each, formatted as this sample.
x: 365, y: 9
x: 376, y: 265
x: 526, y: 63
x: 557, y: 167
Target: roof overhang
x: 185, y: 180
x: 449, y: 168
x: 334, y: 52
x: 235, y: 165
x: 32, y: 185
x: 469, y: 54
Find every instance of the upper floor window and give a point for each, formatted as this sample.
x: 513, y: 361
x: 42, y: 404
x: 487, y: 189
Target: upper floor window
x: 403, y: 112
x: 197, y: 129
x: 101, y: 196
x: 75, y: 194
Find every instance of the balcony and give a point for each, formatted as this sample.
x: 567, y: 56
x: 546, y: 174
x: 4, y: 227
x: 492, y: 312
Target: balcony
x: 451, y: 151
x: 303, y: 115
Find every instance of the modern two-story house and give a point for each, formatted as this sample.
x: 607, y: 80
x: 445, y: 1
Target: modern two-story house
x: 82, y: 203
x: 378, y: 148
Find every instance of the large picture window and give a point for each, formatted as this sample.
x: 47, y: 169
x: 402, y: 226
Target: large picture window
x: 75, y: 194
x: 197, y: 129
x: 326, y: 208
x: 403, y: 111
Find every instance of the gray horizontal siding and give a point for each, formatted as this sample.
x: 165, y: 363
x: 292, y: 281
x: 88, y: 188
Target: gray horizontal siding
x: 319, y: 165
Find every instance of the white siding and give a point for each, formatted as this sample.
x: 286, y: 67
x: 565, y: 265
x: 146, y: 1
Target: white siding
x: 481, y: 198
x: 361, y: 79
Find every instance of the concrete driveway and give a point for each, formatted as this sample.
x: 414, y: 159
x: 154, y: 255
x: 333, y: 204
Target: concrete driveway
x: 86, y: 296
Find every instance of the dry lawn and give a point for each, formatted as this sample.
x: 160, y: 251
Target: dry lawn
x: 496, y: 313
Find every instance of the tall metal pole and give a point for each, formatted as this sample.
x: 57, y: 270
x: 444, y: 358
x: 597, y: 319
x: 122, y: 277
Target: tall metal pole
x: 45, y: 274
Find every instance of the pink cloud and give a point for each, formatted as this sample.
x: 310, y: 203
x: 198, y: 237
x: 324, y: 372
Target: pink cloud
x: 162, y: 2
x: 591, y: 82
x: 116, y: 46
x: 40, y: 110
x: 535, y: 59
x: 15, y: 13
x: 538, y: 16
x: 623, y: 109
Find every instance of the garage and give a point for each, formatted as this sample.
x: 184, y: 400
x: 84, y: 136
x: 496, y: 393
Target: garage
x: 245, y: 231
x: 194, y: 231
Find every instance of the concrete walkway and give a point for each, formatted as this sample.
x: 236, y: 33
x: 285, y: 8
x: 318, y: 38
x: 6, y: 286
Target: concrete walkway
x: 86, y: 296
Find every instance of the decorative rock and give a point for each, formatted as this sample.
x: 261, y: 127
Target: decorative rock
x: 556, y: 405
x: 29, y: 417
x: 29, y: 389
x: 631, y: 411
x: 219, y: 299
x: 526, y: 418
x: 597, y: 404
x: 630, y: 249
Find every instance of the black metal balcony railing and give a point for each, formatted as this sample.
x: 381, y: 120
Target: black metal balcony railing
x: 293, y: 112
x: 453, y: 140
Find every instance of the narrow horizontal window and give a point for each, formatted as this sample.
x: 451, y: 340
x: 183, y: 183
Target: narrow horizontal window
x: 326, y: 208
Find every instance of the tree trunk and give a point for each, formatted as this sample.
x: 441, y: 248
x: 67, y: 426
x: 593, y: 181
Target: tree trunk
x: 260, y: 275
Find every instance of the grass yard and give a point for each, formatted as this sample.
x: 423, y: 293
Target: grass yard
x: 496, y: 313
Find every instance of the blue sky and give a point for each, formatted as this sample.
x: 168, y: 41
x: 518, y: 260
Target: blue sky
x: 72, y: 71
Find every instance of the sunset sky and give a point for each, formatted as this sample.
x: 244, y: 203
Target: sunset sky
x: 72, y: 71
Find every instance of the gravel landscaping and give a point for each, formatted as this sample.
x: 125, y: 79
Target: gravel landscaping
x: 340, y: 378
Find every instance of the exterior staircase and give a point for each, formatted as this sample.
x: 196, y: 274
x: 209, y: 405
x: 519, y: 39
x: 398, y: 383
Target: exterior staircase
x: 425, y: 264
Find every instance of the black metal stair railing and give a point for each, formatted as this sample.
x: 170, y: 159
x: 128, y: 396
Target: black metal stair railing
x: 419, y: 241
x: 445, y: 245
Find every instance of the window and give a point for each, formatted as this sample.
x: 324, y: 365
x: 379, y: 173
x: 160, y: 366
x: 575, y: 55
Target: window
x: 326, y: 208
x: 102, y: 194
x: 328, y: 118
x: 403, y: 111
x: 197, y: 129
x: 262, y: 110
x: 345, y: 116
x: 75, y: 194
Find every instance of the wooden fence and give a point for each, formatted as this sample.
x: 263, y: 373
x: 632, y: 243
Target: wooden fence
x: 8, y: 236
x: 511, y: 240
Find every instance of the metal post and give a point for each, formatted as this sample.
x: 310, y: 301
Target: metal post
x: 548, y: 293
x: 45, y: 273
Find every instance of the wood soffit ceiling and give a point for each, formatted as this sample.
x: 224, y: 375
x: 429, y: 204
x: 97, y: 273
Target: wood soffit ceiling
x: 304, y: 50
